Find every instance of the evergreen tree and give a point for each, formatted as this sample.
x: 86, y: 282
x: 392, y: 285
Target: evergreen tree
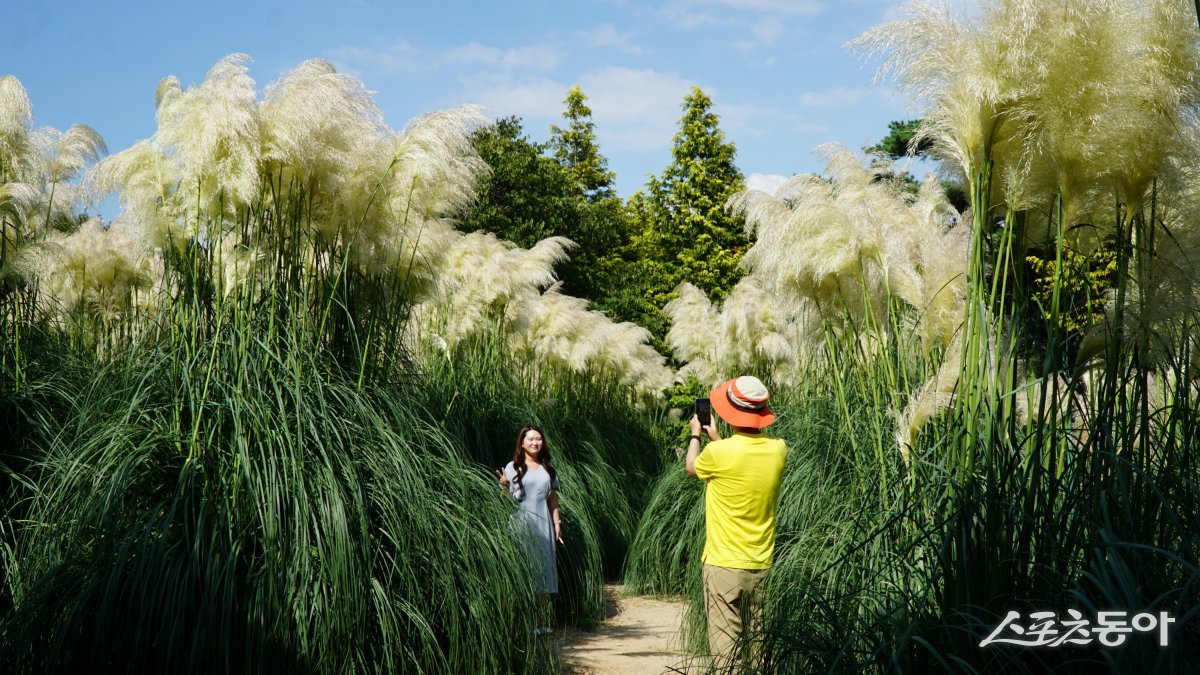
x: 604, y: 228
x: 575, y: 148
x: 684, y: 232
x: 899, y: 137
x: 896, y: 145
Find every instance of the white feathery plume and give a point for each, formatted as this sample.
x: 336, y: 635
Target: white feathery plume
x: 324, y: 136
x: 845, y: 245
x: 479, y: 275
x: 317, y: 139
x: 1065, y: 98
x: 210, y: 132
x: 434, y: 171
x: 16, y: 122
x: 435, y: 163
x: 17, y: 202
x: 940, y: 255
x: 37, y: 170
x: 822, y: 250
x: 316, y: 121
x: 236, y: 262
x: 849, y: 242
x: 45, y: 158
x: 936, y: 395
x: 558, y: 331
x: 756, y: 329
x: 142, y: 178
x: 70, y: 152
x: 485, y: 283
x: 692, y: 339
x: 201, y: 164
x: 103, y: 271
x: 962, y: 71
x: 1162, y: 301
x: 59, y: 158
x: 166, y: 95
x: 388, y: 196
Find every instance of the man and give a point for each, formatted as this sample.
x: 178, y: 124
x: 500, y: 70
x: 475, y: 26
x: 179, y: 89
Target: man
x: 743, y: 473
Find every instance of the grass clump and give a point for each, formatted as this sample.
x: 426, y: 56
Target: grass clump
x: 276, y: 514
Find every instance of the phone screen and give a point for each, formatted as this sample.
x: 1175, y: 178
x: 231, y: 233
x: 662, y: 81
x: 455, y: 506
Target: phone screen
x: 704, y: 411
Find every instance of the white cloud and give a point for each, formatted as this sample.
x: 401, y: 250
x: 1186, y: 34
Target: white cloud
x: 838, y: 97
x: 801, y: 7
x: 764, y: 33
x: 536, y: 57
x: 753, y: 120
x: 768, y: 30
x: 606, y: 36
x: 538, y: 98
x: 751, y: 26
x: 687, y: 19
x: 629, y: 94
x: 398, y: 57
x: 635, y: 108
x: 765, y: 182
x: 692, y: 14
x: 403, y: 57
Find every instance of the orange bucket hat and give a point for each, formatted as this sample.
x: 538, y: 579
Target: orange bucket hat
x: 742, y: 402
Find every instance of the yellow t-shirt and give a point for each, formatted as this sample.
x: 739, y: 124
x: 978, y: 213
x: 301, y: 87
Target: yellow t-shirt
x: 743, y: 473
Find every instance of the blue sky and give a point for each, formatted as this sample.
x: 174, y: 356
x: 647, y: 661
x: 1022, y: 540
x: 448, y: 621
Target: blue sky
x: 777, y: 70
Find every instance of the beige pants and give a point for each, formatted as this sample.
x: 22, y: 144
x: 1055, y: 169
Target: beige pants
x: 730, y: 598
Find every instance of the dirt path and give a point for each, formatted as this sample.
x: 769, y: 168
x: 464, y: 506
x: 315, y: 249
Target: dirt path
x: 640, y: 635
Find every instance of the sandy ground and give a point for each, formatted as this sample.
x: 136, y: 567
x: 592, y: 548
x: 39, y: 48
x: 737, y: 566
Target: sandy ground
x: 640, y: 635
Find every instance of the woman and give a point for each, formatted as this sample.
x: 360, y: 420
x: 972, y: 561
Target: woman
x: 532, y: 480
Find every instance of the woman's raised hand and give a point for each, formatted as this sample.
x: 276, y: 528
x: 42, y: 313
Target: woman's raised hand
x: 503, y: 478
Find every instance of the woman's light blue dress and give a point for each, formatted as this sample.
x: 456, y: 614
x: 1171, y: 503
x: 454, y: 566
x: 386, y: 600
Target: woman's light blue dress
x: 534, y: 524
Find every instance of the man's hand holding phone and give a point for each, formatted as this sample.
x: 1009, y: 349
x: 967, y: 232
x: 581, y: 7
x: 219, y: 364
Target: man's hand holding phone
x: 704, y: 412
x: 702, y: 422
x: 698, y: 429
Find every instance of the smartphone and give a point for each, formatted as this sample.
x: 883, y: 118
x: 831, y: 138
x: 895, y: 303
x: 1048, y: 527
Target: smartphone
x: 704, y: 412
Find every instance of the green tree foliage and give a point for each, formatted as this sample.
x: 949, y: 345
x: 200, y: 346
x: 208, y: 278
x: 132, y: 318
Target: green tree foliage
x: 603, y: 228
x: 682, y: 229
x: 575, y: 148
x: 528, y: 196
x: 898, y: 142
x: 1083, y: 279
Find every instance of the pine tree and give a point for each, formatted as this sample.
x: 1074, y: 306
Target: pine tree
x: 603, y: 228
x: 684, y: 232
x: 575, y: 148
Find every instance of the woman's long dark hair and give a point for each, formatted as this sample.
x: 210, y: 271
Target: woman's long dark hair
x: 543, y: 456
